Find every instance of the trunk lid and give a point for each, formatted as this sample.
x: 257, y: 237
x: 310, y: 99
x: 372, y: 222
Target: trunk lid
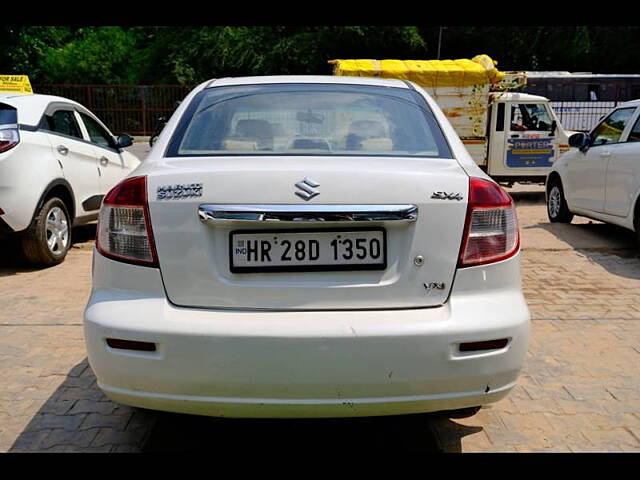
x: 195, y: 259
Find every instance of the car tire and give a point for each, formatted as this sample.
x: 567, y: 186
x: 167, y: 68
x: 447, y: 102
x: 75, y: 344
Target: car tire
x: 557, y: 208
x: 48, y: 238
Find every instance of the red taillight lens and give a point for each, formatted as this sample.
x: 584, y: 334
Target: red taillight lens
x: 124, y: 228
x: 491, y: 228
x: 9, y: 138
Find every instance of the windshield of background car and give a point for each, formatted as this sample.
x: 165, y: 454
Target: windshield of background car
x: 308, y: 119
x: 610, y: 130
x: 8, y: 115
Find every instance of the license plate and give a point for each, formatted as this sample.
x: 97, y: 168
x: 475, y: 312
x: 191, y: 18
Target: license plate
x: 307, y: 250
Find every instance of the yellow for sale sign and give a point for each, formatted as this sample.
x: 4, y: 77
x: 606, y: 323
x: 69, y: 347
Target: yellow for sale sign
x: 15, y: 84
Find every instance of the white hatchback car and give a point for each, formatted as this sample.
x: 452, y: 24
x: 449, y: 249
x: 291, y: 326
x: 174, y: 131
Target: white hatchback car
x: 307, y: 246
x: 600, y: 177
x: 57, y: 161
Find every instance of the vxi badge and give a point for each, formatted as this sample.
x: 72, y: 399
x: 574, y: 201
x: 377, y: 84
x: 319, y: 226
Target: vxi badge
x: 434, y: 286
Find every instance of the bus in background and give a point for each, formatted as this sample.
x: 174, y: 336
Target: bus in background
x: 581, y: 99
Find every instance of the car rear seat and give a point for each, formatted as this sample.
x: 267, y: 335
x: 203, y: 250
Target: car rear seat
x: 251, y: 135
x: 368, y: 135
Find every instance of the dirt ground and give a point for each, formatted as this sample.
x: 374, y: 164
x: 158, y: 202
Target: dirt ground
x: 578, y: 391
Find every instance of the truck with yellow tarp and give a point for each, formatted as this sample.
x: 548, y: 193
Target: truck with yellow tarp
x: 514, y: 137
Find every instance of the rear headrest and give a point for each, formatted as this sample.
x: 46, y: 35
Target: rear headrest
x: 367, y: 129
x: 254, y: 129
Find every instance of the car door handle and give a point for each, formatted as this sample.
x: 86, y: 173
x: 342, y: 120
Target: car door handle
x: 515, y: 136
x: 605, y: 153
x: 63, y: 150
x: 104, y: 161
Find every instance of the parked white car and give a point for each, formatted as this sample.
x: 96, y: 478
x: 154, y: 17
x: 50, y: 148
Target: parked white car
x: 57, y: 161
x: 600, y: 177
x: 307, y: 246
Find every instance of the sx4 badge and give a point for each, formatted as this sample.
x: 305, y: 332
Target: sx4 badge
x: 187, y: 190
x: 447, y: 196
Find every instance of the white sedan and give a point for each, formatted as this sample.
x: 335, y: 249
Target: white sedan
x: 57, y: 161
x: 600, y: 177
x: 307, y: 246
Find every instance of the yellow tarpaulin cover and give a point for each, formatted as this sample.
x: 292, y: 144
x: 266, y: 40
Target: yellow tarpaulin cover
x: 15, y: 84
x: 480, y: 70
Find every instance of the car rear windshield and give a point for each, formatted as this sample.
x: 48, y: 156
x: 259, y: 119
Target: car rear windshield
x: 308, y: 119
x: 8, y: 115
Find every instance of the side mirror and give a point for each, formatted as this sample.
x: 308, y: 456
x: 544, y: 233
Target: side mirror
x: 554, y: 125
x: 124, y: 141
x: 580, y: 140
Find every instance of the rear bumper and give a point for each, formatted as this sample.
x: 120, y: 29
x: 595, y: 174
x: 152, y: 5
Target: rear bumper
x: 244, y: 407
x: 306, y: 364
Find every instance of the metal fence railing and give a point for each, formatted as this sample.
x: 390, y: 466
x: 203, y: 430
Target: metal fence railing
x: 132, y: 109
x: 581, y: 116
x: 135, y: 109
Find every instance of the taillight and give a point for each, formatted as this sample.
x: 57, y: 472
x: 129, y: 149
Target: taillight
x: 9, y: 138
x: 491, y: 228
x: 124, y: 227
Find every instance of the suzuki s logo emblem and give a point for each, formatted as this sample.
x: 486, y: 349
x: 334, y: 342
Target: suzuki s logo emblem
x: 308, y: 189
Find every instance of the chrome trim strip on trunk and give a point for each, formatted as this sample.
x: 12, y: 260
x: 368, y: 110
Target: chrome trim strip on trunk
x: 308, y: 213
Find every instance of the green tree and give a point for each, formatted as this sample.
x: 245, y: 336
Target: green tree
x: 187, y: 55
x: 93, y: 55
x: 576, y: 48
x: 29, y: 45
x: 193, y: 54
